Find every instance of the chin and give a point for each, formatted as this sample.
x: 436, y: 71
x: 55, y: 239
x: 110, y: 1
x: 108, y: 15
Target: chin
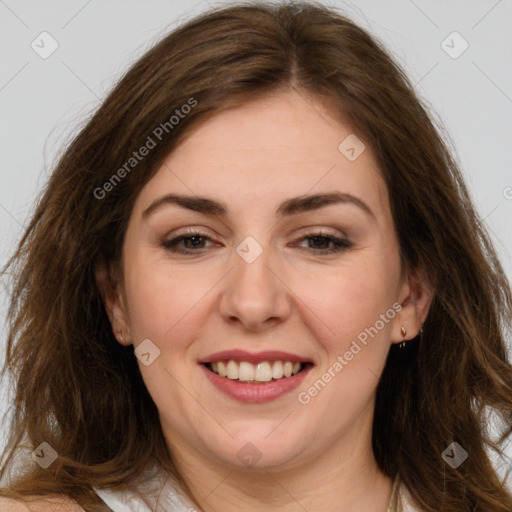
x: 258, y: 448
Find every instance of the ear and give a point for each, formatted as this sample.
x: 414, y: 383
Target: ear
x: 112, y: 297
x: 415, y: 298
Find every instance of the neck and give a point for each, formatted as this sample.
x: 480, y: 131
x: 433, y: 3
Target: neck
x: 344, y: 478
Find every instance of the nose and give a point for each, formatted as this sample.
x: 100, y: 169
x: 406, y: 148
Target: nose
x: 256, y: 295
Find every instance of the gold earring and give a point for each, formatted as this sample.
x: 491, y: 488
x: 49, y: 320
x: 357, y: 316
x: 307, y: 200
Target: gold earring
x: 404, y: 332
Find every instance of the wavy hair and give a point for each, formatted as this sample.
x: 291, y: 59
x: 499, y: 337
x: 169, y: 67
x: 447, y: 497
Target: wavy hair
x: 78, y: 389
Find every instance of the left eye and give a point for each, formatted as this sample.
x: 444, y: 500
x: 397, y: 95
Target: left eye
x: 319, y: 241
x: 194, y: 243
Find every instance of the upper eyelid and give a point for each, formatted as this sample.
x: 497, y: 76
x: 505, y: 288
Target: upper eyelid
x: 335, y: 238
x: 328, y: 231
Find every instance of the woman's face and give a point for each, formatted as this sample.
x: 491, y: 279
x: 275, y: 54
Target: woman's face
x: 258, y: 283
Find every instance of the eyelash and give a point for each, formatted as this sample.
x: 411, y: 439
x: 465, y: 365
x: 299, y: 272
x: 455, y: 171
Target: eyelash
x: 340, y: 244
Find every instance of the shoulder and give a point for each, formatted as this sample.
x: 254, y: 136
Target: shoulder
x: 44, y: 504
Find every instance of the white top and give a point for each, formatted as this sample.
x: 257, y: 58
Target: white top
x: 161, y: 493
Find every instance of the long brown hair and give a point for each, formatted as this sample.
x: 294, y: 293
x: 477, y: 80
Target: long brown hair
x: 79, y: 390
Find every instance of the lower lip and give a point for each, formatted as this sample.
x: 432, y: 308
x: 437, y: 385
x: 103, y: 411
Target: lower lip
x: 256, y: 393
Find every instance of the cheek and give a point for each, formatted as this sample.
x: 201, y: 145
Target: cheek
x: 352, y: 304
x: 356, y: 316
x: 162, y: 300
x: 353, y: 296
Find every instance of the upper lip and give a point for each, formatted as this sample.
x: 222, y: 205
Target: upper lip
x: 256, y: 357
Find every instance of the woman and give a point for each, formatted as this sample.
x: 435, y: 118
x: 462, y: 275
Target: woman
x: 256, y: 280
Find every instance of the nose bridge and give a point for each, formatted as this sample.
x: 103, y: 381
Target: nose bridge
x: 252, y: 263
x: 254, y: 293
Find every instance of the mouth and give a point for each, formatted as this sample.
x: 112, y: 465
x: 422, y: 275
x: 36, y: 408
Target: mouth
x: 255, y: 377
x: 262, y: 372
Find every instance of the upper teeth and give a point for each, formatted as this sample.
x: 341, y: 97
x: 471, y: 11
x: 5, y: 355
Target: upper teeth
x: 260, y: 372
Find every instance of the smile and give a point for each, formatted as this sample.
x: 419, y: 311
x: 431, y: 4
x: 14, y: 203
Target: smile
x: 262, y: 372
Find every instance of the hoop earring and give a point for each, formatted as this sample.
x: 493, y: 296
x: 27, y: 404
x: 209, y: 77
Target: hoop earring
x: 404, y: 332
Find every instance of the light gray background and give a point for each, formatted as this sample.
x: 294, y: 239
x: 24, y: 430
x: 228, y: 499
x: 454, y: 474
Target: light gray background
x: 44, y: 101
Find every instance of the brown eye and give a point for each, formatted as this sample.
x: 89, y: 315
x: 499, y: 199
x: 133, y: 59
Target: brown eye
x: 320, y: 243
x: 193, y: 242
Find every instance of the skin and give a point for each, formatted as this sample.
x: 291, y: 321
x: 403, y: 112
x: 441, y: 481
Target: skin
x: 317, y: 456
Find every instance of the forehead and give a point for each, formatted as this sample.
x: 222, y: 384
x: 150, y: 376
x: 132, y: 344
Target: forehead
x: 280, y: 146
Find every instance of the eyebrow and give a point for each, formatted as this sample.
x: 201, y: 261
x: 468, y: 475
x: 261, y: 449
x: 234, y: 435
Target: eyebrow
x: 288, y: 207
